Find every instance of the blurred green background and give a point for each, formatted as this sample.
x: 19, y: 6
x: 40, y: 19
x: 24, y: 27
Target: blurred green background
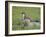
x: 33, y: 12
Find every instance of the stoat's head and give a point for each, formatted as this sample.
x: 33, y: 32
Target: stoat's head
x: 23, y: 13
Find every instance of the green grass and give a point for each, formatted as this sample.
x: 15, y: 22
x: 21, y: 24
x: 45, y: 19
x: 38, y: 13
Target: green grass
x: 33, y: 12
